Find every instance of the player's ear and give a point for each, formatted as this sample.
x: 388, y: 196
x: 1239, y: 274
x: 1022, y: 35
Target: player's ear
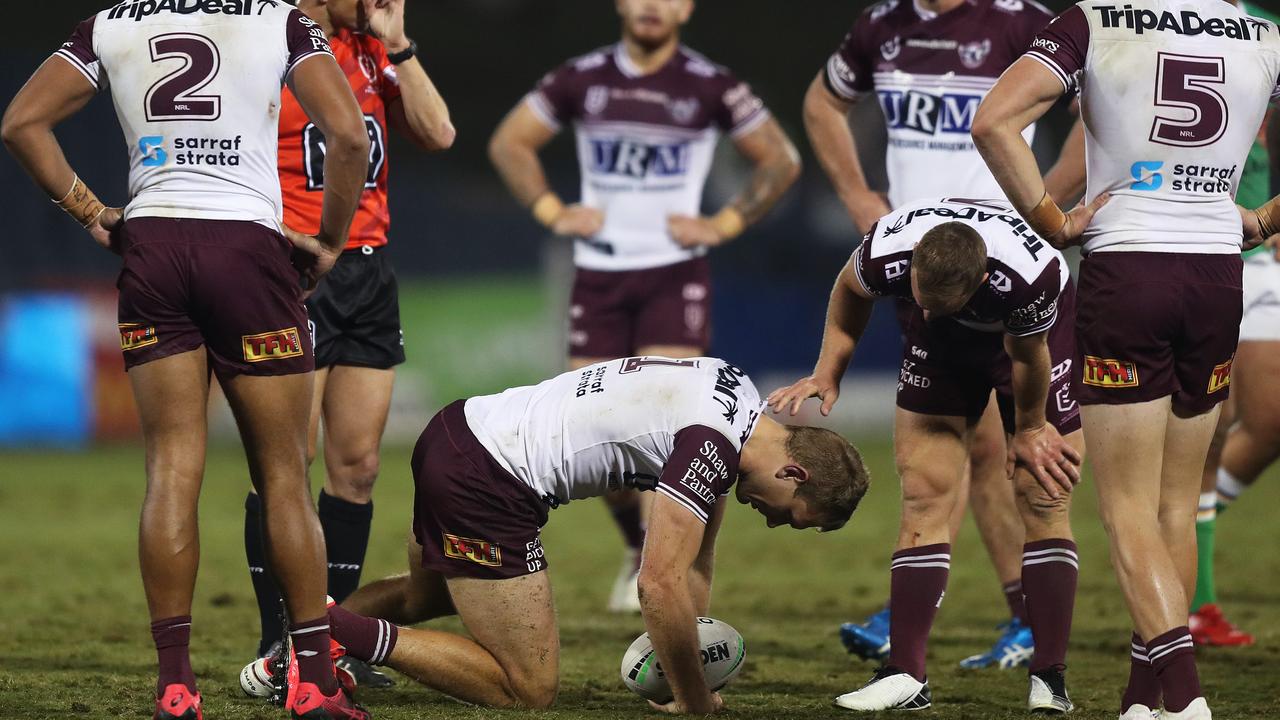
x: 687, y: 12
x: 794, y: 473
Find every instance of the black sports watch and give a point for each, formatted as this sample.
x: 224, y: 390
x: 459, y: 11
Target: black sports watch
x: 403, y: 55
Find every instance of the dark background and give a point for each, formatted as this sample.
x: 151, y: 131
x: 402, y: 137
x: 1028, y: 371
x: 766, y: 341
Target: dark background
x: 450, y: 212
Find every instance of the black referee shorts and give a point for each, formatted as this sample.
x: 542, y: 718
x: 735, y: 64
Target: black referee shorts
x: 355, y: 313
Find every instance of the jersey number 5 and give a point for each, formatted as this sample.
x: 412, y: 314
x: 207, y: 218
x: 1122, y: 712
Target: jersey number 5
x: 174, y: 97
x: 313, y: 150
x: 1185, y: 84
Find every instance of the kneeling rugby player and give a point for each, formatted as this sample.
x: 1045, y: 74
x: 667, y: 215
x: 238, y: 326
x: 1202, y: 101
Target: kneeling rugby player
x: 488, y: 470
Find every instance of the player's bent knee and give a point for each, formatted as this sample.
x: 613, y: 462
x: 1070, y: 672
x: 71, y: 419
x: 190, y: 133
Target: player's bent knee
x: 536, y: 691
x: 354, y: 481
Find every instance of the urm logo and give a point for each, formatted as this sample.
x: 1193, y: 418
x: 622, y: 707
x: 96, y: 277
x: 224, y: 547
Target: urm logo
x: 152, y: 148
x: 1146, y: 175
x: 929, y: 114
x: 638, y: 160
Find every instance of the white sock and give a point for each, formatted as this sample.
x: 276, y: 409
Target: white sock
x: 1208, y: 509
x: 1229, y: 488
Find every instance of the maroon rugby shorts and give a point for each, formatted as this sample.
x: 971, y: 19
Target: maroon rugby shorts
x: 1152, y: 325
x: 226, y: 285
x: 615, y: 313
x: 472, y: 517
x: 950, y: 369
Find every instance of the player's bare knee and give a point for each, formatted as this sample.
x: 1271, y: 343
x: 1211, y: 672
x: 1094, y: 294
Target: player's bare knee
x: 536, y: 691
x: 353, y: 481
x: 926, y: 495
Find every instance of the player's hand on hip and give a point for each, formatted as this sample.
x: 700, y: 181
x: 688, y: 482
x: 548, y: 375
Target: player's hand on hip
x: 578, y: 220
x: 386, y: 22
x: 1048, y: 457
x: 675, y: 707
x: 106, y: 229
x: 1078, y: 221
x: 866, y: 208
x: 794, y: 395
x: 691, y: 232
x: 311, y: 258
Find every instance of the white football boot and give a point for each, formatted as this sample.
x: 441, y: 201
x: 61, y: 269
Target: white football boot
x: 889, y: 689
x: 1197, y: 710
x: 1048, y: 693
x: 1138, y: 711
x: 625, y: 596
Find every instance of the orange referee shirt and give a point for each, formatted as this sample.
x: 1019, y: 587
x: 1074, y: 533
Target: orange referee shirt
x: 373, y: 80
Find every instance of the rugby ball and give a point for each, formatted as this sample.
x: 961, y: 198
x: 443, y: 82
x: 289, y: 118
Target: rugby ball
x: 723, y: 652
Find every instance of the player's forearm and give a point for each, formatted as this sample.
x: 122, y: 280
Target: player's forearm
x: 1065, y: 181
x: 1030, y: 382
x: 827, y: 126
x: 346, y: 164
x: 36, y: 148
x: 847, y: 318
x: 670, y: 618
x: 1012, y: 162
x: 425, y: 112
x: 773, y: 175
x: 520, y: 168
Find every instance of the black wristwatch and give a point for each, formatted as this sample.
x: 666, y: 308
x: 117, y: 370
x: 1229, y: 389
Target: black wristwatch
x: 403, y: 55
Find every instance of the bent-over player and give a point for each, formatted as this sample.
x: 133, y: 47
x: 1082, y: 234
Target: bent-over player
x: 648, y: 113
x: 993, y: 306
x: 1171, y: 110
x: 928, y: 63
x: 355, y: 312
x: 488, y: 470
x: 207, y: 282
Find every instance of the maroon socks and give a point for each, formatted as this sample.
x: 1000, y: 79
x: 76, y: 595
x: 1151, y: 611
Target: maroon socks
x: 630, y: 524
x: 918, y: 580
x: 1174, y: 659
x: 311, y: 646
x: 173, y: 638
x: 1144, y: 686
x: 1013, y: 597
x: 366, y: 639
x: 1050, y: 569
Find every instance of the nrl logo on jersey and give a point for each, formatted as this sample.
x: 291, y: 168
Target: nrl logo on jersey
x: 140, y: 9
x: 1187, y: 22
x: 890, y: 49
x: 597, y: 99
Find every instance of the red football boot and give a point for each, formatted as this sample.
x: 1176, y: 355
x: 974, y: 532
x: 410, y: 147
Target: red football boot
x: 1209, y: 627
x: 178, y: 703
x: 305, y: 701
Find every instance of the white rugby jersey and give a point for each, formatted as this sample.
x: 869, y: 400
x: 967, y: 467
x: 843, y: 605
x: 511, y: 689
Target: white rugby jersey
x: 1172, y: 95
x: 645, y: 145
x: 619, y: 424
x: 930, y: 72
x: 196, y: 86
x: 1026, y: 275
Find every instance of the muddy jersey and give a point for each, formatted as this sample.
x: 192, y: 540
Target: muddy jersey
x: 930, y: 72
x: 374, y: 82
x: 196, y: 86
x: 645, y: 144
x: 1025, y: 275
x: 1172, y: 94
x: 674, y: 426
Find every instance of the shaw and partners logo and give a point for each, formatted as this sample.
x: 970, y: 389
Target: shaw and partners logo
x: 639, y: 160
x: 927, y: 113
x: 276, y: 345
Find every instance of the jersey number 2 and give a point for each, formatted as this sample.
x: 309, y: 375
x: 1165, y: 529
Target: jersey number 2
x: 174, y: 97
x: 1185, y: 84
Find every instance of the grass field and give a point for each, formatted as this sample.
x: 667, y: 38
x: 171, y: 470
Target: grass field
x: 74, y: 641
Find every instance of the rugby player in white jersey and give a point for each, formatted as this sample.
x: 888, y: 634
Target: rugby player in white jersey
x: 991, y: 308
x: 207, y: 284
x: 488, y: 470
x: 929, y: 63
x: 647, y: 113
x: 1172, y: 95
